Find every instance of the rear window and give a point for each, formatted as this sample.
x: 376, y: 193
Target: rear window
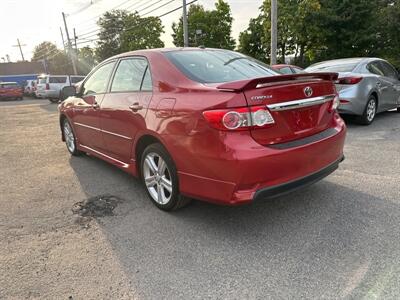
x: 337, y: 68
x: 77, y: 79
x: 57, y: 79
x: 213, y: 66
x: 42, y: 80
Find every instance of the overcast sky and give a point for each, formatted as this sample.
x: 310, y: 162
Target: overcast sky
x: 36, y: 21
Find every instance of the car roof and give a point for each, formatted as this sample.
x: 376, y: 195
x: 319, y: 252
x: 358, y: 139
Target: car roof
x: 162, y: 50
x: 344, y: 61
x: 9, y: 82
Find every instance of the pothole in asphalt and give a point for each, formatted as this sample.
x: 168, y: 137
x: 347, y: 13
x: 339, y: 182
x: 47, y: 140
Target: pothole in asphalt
x: 96, y: 207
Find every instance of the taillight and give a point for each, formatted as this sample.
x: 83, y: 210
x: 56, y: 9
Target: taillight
x: 335, y: 103
x: 239, y: 118
x: 349, y: 80
x: 47, y: 86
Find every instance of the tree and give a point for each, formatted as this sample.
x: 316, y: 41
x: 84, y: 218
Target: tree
x: 55, y: 60
x: 122, y: 31
x: 210, y: 28
x: 254, y: 41
x: 86, y: 60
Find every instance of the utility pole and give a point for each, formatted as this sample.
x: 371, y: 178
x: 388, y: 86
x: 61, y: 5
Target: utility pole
x: 274, y: 30
x: 185, y: 26
x: 20, y: 49
x: 62, y: 38
x: 69, y: 45
x: 75, y: 37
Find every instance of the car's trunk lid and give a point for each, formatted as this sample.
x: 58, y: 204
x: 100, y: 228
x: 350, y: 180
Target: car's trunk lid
x: 299, y: 103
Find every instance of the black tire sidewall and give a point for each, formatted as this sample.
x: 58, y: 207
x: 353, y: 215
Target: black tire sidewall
x: 161, y: 151
x: 76, y: 152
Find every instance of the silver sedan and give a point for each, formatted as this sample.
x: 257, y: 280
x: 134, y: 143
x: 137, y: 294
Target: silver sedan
x: 366, y: 86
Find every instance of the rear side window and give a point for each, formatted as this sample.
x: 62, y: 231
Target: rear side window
x: 213, y: 66
x: 388, y: 70
x: 57, y: 79
x: 129, y: 75
x: 375, y: 68
x: 98, y: 81
x: 285, y: 70
x: 76, y: 79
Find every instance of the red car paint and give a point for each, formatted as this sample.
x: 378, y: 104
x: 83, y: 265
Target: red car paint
x: 10, y: 90
x: 220, y: 166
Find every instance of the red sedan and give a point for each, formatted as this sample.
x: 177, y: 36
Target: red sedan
x: 10, y: 90
x: 206, y: 123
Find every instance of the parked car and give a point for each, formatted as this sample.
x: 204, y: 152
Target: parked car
x: 10, y: 90
x: 30, y: 88
x: 287, y: 69
x: 366, y: 86
x: 50, y: 86
x: 205, y: 123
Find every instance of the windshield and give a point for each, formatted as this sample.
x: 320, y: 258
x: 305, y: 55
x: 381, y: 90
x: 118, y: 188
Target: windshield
x: 332, y: 68
x: 214, y: 66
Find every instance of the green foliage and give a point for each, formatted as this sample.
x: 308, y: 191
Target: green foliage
x: 56, y: 60
x: 86, y: 60
x: 315, y: 30
x: 210, y: 28
x: 122, y: 31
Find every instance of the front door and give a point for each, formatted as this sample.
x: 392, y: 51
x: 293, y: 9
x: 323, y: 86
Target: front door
x: 86, y: 117
x: 123, y: 109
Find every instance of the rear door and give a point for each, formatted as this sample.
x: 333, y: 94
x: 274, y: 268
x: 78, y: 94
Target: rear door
x: 124, y: 108
x: 300, y: 107
x: 86, y: 110
x: 384, y: 85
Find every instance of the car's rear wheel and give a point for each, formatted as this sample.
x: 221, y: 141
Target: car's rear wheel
x: 70, y: 139
x: 369, y: 112
x: 160, y: 177
x: 52, y: 100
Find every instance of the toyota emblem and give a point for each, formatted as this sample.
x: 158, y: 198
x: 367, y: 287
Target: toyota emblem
x: 308, y: 91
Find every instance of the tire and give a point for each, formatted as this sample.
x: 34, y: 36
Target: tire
x: 70, y: 139
x: 161, y: 181
x: 52, y: 100
x: 369, y: 112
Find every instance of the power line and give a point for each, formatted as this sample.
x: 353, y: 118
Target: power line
x: 145, y: 21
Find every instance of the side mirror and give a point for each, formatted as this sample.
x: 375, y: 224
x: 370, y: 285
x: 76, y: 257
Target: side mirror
x: 67, y: 91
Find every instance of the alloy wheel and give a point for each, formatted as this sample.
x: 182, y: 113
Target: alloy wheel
x: 157, y: 178
x: 371, y: 110
x: 69, y: 137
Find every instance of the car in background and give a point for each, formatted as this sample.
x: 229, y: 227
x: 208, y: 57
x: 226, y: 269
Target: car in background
x: 366, y: 86
x: 30, y: 87
x: 50, y: 86
x: 210, y: 124
x: 287, y: 69
x: 10, y: 90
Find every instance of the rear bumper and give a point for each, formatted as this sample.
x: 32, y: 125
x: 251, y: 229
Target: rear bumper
x: 285, y: 188
x: 247, y: 171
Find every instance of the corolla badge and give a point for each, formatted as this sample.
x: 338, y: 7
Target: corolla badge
x: 259, y: 98
x: 308, y: 91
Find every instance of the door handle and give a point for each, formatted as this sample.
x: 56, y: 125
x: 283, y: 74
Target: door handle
x: 95, y: 105
x: 136, y: 106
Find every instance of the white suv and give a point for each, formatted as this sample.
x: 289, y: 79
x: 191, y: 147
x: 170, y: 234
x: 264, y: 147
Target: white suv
x: 50, y: 86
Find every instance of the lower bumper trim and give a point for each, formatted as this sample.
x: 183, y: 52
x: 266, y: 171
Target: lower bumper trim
x: 285, y: 188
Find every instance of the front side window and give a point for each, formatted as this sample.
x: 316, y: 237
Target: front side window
x: 214, y: 66
x: 98, y: 81
x: 129, y: 75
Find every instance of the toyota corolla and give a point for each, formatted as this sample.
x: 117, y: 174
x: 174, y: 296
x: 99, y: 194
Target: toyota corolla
x: 208, y: 124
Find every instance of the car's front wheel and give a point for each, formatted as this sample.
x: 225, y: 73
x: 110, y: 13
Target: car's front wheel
x: 160, y: 177
x: 369, y: 112
x: 70, y: 139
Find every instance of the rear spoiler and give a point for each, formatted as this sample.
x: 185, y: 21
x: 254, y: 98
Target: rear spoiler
x: 249, y: 84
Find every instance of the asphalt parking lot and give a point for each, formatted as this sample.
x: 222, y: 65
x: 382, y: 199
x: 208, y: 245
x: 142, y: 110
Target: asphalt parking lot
x: 339, y: 238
